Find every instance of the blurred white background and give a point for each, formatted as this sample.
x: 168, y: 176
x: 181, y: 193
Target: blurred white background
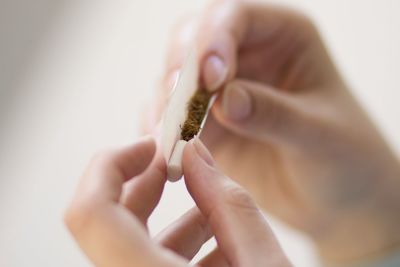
x: 76, y: 74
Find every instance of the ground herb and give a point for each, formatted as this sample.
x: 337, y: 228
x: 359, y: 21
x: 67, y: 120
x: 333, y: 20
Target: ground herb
x: 197, y: 109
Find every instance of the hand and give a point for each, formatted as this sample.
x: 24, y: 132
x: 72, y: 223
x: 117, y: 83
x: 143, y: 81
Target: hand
x: 286, y: 127
x: 119, y: 191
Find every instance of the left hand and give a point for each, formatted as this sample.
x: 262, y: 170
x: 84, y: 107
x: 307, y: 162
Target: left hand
x: 109, y: 213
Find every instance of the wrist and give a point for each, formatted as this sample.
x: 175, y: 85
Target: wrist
x: 358, y: 239
x: 391, y: 259
x: 362, y: 233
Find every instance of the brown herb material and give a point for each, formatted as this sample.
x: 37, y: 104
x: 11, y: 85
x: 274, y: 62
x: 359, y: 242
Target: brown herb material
x: 197, y: 109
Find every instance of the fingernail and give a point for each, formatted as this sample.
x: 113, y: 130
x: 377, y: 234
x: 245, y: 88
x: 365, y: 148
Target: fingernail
x: 202, y: 151
x: 236, y: 103
x: 215, y: 72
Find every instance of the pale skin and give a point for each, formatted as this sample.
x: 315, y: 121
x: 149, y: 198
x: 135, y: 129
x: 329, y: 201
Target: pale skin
x: 286, y: 127
x: 121, y: 187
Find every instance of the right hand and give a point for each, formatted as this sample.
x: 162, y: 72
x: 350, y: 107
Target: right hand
x: 286, y: 127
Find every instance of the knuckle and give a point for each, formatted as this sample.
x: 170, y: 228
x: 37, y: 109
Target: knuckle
x: 270, y: 113
x: 73, y: 218
x: 238, y: 198
x: 301, y: 20
x: 79, y: 216
x: 102, y: 155
x: 85, y: 209
x: 103, y: 158
x: 306, y: 20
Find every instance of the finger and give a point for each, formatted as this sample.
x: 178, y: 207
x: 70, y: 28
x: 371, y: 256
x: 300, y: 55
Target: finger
x: 228, y: 27
x: 109, y: 170
x: 214, y: 259
x: 261, y: 112
x: 149, y: 124
x: 240, y: 229
x: 221, y: 28
x: 104, y: 229
x: 186, y: 235
x: 142, y: 194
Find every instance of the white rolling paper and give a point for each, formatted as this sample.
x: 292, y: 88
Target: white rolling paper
x: 176, y: 113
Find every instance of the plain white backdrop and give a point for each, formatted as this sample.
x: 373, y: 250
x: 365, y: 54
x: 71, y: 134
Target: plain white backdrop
x: 75, y: 76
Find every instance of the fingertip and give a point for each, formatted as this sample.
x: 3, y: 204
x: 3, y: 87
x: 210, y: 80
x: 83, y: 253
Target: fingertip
x: 192, y: 165
x: 189, y: 157
x: 196, y: 154
x: 135, y: 159
x: 215, y: 72
x: 149, y: 143
x: 159, y: 160
x: 202, y: 179
x: 218, y: 55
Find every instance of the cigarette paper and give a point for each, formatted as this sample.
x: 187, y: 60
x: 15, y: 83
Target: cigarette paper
x: 174, y: 169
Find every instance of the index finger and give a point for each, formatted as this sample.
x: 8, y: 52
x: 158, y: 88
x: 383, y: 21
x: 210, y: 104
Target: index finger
x: 108, y: 171
x: 106, y: 231
x: 242, y: 233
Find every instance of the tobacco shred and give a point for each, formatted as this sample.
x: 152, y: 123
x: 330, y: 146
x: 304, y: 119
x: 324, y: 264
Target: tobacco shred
x: 197, y: 109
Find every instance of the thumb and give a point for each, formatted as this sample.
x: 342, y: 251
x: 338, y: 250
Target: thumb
x: 262, y: 112
x: 242, y: 234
